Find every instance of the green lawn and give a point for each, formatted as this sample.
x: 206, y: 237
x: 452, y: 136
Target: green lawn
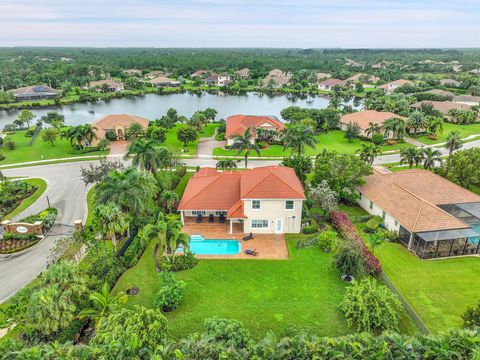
x: 438, y: 290
x: 174, y: 144
x: 90, y: 200
x: 39, y: 150
x: 183, y: 184
x: 333, y: 140
x: 465, y: 130
x: 41, y: 186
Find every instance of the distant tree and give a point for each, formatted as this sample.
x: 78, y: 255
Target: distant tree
x: 54, y: 119
x: 352, y: 132
x: 368, y: 152
x: 301, y: 164
x: 157, y: 134
x: 416, y: 121
x: 210, y: 114
x: 298, y: 136
x: 50, y: 135
x: 431, y: 157
x: 244, y: 143
x: 198, y: 120
x: 25, y: 117
x: 145, y: 155
x: 453, y: 141
x: 186, y: 134
x: 411, y: 156
x: 226, y: 164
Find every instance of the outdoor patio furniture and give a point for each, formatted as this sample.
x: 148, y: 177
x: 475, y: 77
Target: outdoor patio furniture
x: 251, y: 252
x: 210, y: 218
x: 199, y: 219
x: 221, y: 218
x: 248, y: 237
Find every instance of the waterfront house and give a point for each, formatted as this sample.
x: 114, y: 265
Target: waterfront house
x: 366, y: 117
x: 330, y: 84
x: 237, y: 124
x: 117, y: 124
x: 35, y: 92
x: 106, y: 85
x: 221, y: 79
x: 391, y: 86
x: 162, y: 81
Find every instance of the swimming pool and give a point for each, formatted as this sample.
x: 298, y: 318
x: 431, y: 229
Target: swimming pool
x: 201, y: 246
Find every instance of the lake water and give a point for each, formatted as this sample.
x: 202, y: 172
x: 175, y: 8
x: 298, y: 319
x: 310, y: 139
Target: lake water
x: 152, y: 106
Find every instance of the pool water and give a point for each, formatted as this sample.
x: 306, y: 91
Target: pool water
x: 201, y: 246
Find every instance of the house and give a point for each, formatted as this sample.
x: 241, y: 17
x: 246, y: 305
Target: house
x: 35, y: 92
x: 162, y: 81
x: 133, y: 72
x: 199, y: 73
x: 364, y: 118
x: 442, y: 106
x: 353, y: 63
x: 467, y: 99
x: 266, y: 200
x: 243, y: 73
x: 450, y: 82
x: 323, y: 76
x: 218, y: 79
x: 393, y: 85
x: 330, y: 84
x: 433, y: 216
x: 363, y: 78
x: 276, y: 78
x: 153, y: 74
x: 109, y: 85
x: 445, y: 93
x: 237, y: 124
x: 118, y: 124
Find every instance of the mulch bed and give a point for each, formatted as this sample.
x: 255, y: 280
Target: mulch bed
x: 13, y: 246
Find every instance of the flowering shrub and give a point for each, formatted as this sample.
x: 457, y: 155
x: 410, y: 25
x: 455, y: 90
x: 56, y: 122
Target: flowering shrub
x: 345, y: 227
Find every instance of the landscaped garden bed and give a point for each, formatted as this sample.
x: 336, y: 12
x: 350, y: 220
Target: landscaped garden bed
x: 12, y: 193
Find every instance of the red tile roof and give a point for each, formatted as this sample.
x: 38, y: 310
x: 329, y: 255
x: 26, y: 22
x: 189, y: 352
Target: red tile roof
x: 237, y: 124
x: 110, y: 121
x: 209, y: 189
x: 365, y: 117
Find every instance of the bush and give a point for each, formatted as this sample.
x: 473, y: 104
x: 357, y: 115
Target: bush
x: 171, y: 292
x: 110, y: 135
x: 230, y: 333
x: 181, y: 262
x: 15, y: 236
x: 471, y: 317
x: 348, y: 259
x: 220, y: 137
x: 134, y: 251
x: 31, y: 131
x: 371, y: 307
x: 310, y: 226
x: 390, y: 235
x: 261, y: 144
x: 373, y: 224
x: 328, y: 240
x: 377, y: 138
x: 10, y: 145
x: 47, y: 216
x: 2, y: 156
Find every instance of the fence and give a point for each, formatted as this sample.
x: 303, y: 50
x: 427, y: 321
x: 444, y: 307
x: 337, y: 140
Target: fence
x: 416, y: 319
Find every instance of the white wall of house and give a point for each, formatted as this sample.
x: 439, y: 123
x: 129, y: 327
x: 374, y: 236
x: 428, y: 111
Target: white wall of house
x: 275, y: 216
x: 373, y: 209
x: 324, y: 87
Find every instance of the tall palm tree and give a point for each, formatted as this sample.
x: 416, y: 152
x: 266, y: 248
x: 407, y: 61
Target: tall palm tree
x: 156, y: 232
x: 416, y: 121
x: 372, y: 129
x: 175, y: 239
x: 104, y: 304
x: 299, y: 136
x: 145, y: 155
x: 430, y: 157
x: 453, y: 141
x: 435, y: 126
x: 169, y: 199
x: 135, y: 131
x: 88, y: 133
x: 368, y: 152
x: 411, y: 156
x: 110, y: 221
x: 245, y: 143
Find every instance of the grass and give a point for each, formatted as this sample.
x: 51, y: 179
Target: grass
x: 465, y: 130
x: 183, y: 184
x: 39, y: 150
x: 41, y: 186
x: 264, y: 294
x: 438, y: 290
x: 333, y: 140
x: 90, y: 202
x: 176, y: 145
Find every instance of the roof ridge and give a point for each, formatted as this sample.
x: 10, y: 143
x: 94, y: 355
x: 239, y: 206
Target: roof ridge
x: 278, y: 177
x: 209, y: 184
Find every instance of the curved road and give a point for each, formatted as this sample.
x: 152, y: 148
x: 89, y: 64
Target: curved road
x: 67, y: 193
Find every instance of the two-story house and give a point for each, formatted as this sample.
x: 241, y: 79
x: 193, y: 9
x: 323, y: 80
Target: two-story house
x: 264, y: 200
x: 237, y: 124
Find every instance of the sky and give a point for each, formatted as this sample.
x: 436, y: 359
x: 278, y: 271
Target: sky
x: 241, y: 23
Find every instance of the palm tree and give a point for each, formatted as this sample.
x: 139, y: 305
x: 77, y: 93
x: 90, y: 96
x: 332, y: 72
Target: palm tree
x: 176, y: 238
x: 297, y: 136
x: 88, y: 133
x: 111, y: 221
x: 156, y: 232
x: 453, y: 141
x: 396, y: 126
x: 372, y: 128
x: 169, y: 199
x: 244, y: 143
x: 416, y: 121
x: 411, y: 156
x: 135, y: 131
x: 435, y: 126
x: 146, y: 155
x: 368, y: 152
x: 430, y: 157
x: 226, y: 164
x: 352, y: 131
x: 104, y: 304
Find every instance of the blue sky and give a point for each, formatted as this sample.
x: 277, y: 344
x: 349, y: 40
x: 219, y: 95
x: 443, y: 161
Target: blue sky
x: 236, y: 23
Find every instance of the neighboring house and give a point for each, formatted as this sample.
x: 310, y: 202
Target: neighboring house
x: 475, y: 71
x: 35, y: 92
x: 450, y: 82
x: 133, y: 72
x: 218, y: 79
x: 364, y: 118
x: 353, y: 63
x: 154, y: 74
x: 329, y: 84
x: 276, y: 78
x: 266, y: 200
x: 467, y: 99
x: 237, y: 124
x: 393, y: 85
x: 443, y: 106
x: 243, y: 73
x: 162, y: 81
x: 110, y: 85
x: 363, y: 78
x: 433, y: 217
x: 439, y: 92
x: 323, y: 76
x: 118, y: 123
x: 199, y: 73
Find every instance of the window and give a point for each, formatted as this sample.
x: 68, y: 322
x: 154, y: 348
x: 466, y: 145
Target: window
x: 259, y: 224
x: 289, y: 205
x: 371, y: 205
x: 256, y: 204
x: 218, y: 213
x: 198, y: 212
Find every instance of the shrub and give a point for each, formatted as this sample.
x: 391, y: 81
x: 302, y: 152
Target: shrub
x: 348, y: 259
x: 31, y: 131
x: 373, y: 224
x: 310, y: 226
x: 390, y: 235
x: 377, y: 138
x: 471, y: 317
x: 231, y: 333
x: 10, y: 144
x: 371, y: 307
x: 220, y: 137
x: 171, y: 292
x: 15, y: 236
x: 261, y: 144
x: 2, y: 156
x: 181, y: 262
x: 328, y: 240
x: 110, y: 135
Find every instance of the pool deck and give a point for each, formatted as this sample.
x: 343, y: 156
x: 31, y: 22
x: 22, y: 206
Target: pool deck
x: 268, y: 246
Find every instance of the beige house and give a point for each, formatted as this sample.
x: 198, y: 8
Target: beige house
x: 443, y: 107
x: 263, y: 200
x: 237, y: 124
x: 221, y: 79
x: 35, y: 92
x: 276, y: 78
x: 391, y: 86
x: 163, y: 81
x: 243, y: 73
x: 110, y: 85
x: 330, y: 84
x: 118, y: 123
x: 366, y: 117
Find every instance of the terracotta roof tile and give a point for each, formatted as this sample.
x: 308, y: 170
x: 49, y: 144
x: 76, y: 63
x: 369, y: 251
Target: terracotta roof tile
x: 364, y: 118
x: 237, y: 124
x: 443, y: 106
x: 110, y: 121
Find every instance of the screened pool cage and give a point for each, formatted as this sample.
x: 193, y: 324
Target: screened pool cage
x: 445, y: 243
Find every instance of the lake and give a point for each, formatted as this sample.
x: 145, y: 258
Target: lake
x: 152, y: 106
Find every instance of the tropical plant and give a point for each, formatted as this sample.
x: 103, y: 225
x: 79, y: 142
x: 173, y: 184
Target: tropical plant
x: 372, y: 128
x: 431, y: 157
x: 169, y: 199
x: 434, y: 126
x: 226, y: 164
x: 411, y: 156
x: 416, y: 121
x: 244, y: 143
x: 396, y: 126
x: 368, y: 152
x: 25, y: 117
x: 301, y: 164
x: 471, y: 317
x: 110, y: 221
x: 170, y: 293
x: 453, y: 141
x: 50, y: 135
x: 328, y: 240
x: 145, y: 154
x: 352, y: 132
x: 298, y: 136
x: 186, y: 134
x: 135, y: 131
x: 348, y: 260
